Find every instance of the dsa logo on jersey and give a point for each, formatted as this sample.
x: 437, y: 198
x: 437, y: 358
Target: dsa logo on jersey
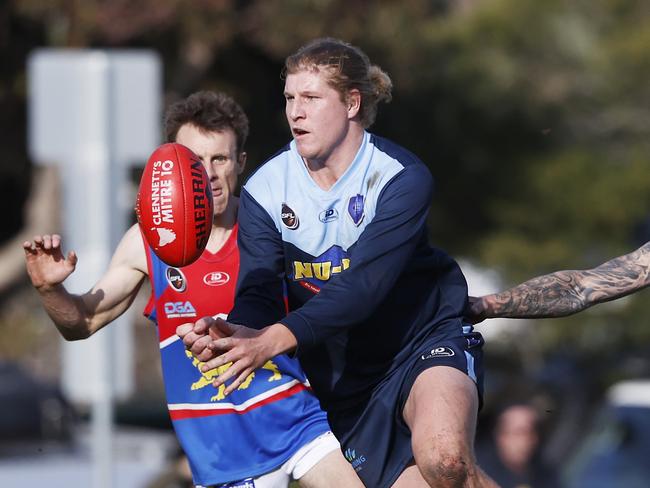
x: 179, y: 309
x: 216, y: 278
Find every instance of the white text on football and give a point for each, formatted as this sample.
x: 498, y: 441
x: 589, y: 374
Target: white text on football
x: 161, y: 192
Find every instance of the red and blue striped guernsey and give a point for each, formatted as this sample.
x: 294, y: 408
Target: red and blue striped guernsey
x: 260, y: 425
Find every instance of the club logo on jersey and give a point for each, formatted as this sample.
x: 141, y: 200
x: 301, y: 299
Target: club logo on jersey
x: 355, y: 209
x: 439, y: 352
x: 356, y: 461
x: 328, y: 215
x: 216, y: 278
x: 289, y: 217
x: 179, y: 309
x: 207, y: 377
x: 176, y: 279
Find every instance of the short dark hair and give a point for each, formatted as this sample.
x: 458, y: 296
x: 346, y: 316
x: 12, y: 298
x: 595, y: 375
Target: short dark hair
x: 210, y: 112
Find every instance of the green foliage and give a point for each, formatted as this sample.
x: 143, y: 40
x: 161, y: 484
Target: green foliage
x: 578, y: 207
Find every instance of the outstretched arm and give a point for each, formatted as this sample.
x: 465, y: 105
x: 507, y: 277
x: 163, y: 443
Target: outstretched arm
x: 79, y: 316
x: 567, y: 292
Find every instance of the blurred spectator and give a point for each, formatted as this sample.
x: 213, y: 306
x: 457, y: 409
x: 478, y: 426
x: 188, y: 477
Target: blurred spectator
x: 514, y: 460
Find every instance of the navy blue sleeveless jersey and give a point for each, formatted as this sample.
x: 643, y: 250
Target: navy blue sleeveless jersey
x: 365, y: 288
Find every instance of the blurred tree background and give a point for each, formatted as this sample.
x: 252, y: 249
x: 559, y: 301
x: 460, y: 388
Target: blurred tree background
x: 533, y: 117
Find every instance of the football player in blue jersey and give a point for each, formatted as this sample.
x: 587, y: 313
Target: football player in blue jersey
x: 569, y: 291
x: 272, y: 430
x: 337, y: 220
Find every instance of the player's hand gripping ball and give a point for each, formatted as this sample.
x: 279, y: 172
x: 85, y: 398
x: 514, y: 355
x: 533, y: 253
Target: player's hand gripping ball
x: 174, y: 205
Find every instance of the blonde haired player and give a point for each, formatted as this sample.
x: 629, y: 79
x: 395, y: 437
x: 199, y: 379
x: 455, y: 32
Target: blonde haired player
x: 338, y: 217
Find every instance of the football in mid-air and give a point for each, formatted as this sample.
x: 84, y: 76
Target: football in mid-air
x: 174, y: 204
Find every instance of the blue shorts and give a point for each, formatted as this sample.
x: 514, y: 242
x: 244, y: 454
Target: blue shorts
x: 374, y: 438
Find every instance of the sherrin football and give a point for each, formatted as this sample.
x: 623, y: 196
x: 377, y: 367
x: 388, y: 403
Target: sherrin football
x: 174, y: 204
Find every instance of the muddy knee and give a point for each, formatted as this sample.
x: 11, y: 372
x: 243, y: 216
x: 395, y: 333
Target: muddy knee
x: 446, y: 471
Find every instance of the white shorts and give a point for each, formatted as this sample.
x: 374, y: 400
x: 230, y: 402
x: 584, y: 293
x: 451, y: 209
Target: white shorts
x: 295, y: 468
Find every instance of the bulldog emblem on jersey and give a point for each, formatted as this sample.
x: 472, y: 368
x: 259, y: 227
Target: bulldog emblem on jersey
x: 355, y: 209
x: 207, y: 377
x: 289, y: 217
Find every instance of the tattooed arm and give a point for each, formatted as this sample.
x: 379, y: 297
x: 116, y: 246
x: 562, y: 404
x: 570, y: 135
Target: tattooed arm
x: 567, y: 292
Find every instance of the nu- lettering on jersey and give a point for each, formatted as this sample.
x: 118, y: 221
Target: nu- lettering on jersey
x: 256, y: 428
x: 365, y: 288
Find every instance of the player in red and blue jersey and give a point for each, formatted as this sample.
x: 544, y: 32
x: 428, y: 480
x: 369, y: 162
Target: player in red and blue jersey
x: 271, y: 429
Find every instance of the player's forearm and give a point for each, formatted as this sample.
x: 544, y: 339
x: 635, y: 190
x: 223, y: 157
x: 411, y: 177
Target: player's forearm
x: 67, y: 311
x: 555, y: 295
x: 567, y: 292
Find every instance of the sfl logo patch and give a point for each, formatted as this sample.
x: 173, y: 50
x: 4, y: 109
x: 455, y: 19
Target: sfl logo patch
x: 289, y: 217
x: 176, y: 279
